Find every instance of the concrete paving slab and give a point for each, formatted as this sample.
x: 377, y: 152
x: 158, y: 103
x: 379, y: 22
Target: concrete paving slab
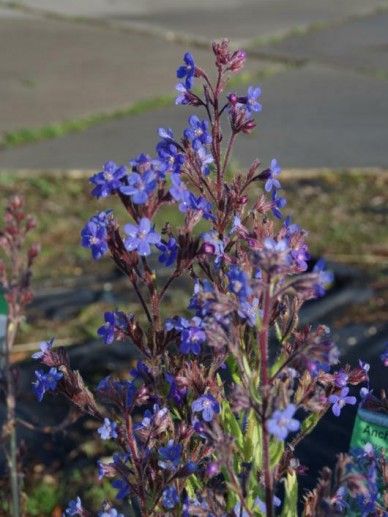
x: 54, y: 70
x: 360, y: 43
x: 312, y: 117
x: 236, y: 19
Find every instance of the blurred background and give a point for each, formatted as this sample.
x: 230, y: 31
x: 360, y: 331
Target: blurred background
x: 86, y: 81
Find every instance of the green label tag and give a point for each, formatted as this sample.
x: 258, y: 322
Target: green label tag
x: 3, y: 304
x: 370, y: 427
x: 3, y: 315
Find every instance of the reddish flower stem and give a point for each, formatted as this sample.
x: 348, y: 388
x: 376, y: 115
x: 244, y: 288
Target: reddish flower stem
x: 264, y: 383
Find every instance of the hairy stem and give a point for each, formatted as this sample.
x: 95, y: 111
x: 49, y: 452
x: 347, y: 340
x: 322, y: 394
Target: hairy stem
x: 264, y: 382
x: 11, y: 418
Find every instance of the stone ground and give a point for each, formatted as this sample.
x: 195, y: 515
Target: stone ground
x: 323, y: 68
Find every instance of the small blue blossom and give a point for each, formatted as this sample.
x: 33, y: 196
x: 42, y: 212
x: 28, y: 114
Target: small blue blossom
x: 178, y: 190
x: 156, y: 415
x: 140, y: 237
x: 272, y: 182
x: 170, y: 455
x: 122, y: 488
x: 213, y: 245
x: 144, y: 163
x: 183, y: 95
x: 205, y: 159
x: 169, y: 252
x: 207, y: 405
x: 170, y: 497
x: 166, y: 133
x: 107, y: 331
x: 239, y: 283
x: 94, y: 235
x: 141, y: 371
x: 108, y: 429
x: 278, y: 203
x: 198, y: 132
x: 201, y: 204
x: 46, y: 381
x: 112, y: 512
x: 74, y: 507
x: 192, y: 338
x: 325, y: 278
x: 175, y: 393
x: 252, y: 103
x: 339, y: 401
x: 192, y: 335
x: 282, y: 422
x: 108, y: 180
x: 341, y: 378
x: 45, y: 346
x: 261, y: 504
x: 140, y: 186
x: 249, y: 311
x: 187, y: 70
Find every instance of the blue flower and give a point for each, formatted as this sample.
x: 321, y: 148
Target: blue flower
x: 170, y: 497
x: 179, y: 191
x: 74, y: 507
x: 198, y: 132
x: 239, y: 283
x: 139, y: 187
x: 144, y: 163
x: 282, y: 422
x: 272, y: 182
x: 170, y: 456
x: 141, y: 371
x: 325, y: 278
x: 187, y: 70
x: 108, y: 180
x: 251, y: 100
x: 205, y: 158
x: 140, y: 237
x: 45, y: 347
x: 341, y: 378
x: 261, y: 504
x: 277, y: 204
x: 46, y: 381
x: 169, y: 154
x: 112, y: 512
x: 169, y: 252
x: 183, y: 97
x: 249, y: 311
x: 107, y: 331
x: 192, y: 335
x: 339, y: 401
x: 122, y: 488
x: 207, y: 405
x: 201, y: 204
x: 156, y: 416
x: 94, y: 235
x: 175, y: 393
x: 108, y: 429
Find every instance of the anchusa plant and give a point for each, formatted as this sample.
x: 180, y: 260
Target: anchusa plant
x: 17, y: 256
x: 207, y: 422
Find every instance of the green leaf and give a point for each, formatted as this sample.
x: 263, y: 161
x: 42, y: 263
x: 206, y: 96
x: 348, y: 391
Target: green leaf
x: 231, y: 424
x: 233, y: 369
x: 253, y: 441
x: 276, y: 449
x: 290, y: 506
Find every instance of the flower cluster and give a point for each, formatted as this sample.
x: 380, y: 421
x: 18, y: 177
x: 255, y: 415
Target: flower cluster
x: 205, y: 424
